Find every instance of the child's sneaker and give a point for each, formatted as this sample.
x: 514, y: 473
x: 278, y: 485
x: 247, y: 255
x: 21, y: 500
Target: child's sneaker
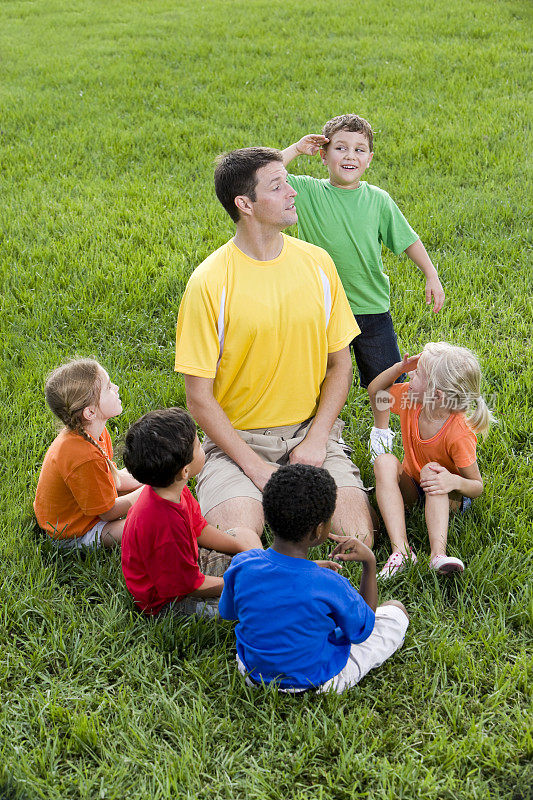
x: 381, y: 440
x: 396, y: 563
x: 444, y: 565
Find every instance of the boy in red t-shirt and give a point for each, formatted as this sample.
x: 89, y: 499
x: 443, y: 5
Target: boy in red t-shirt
x: 162, y: 564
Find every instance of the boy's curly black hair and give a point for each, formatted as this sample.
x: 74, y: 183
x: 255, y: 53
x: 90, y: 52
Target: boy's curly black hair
x: 297, y: 499
x: 159, y: 445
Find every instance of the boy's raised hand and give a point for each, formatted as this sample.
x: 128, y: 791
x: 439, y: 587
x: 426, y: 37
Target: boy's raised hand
x: 349, y: 548
x: 310, y: 144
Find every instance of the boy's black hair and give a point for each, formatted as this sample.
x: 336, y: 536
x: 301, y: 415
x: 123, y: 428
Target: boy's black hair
x: 236, y: 174
x: 159, y: 445
x: 297, y: 499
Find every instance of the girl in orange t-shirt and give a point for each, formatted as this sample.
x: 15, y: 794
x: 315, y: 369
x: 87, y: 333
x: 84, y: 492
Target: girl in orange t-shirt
x: 81, y: 497
x: 439, y: 440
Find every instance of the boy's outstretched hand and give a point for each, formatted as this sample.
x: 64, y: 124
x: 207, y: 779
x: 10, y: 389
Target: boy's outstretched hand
x: 307, y: 146
x: 434, y: 291
x: 349, y: 548
x: 310, y: 144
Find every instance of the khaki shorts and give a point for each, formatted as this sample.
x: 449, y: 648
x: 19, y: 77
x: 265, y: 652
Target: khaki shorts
x: 221, y: 479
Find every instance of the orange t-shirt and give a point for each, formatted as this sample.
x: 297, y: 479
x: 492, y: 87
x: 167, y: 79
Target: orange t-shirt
x: 75, y: 485
x: 453, y: 447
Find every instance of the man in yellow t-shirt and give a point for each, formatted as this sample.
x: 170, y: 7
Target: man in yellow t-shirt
x: 263, y: 336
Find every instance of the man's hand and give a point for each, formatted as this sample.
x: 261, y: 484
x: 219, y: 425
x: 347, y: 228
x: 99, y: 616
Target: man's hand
x: 308, y: 452
x: 440, y: 481
x: 310, y: 144
x: 329, y: 565
x: 434, y: 290
x: 349, y: 548
x: 261, y: 474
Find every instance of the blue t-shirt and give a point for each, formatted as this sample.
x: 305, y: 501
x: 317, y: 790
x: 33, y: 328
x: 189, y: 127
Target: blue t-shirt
x: 296, y: 620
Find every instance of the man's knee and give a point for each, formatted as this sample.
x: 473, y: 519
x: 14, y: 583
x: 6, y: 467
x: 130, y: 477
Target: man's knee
x: 239, y: 512
x: 367, y: 511
x: 397, y: 604
x: 247, y: 537
x: 354, y: 516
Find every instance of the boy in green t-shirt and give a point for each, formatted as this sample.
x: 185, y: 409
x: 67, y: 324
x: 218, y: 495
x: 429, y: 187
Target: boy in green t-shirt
x: 351, y: 220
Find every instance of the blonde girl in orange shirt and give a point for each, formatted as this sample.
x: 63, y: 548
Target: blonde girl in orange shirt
x: 81, y: 498
x: 441, y: 410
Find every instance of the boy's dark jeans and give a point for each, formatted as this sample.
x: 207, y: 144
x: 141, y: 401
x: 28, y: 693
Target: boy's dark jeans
x: 376, y: 347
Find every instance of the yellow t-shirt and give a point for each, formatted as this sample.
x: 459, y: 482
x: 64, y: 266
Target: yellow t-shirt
x: 263, y: 331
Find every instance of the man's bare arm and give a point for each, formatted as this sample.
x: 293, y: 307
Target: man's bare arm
x: 214, y: 422
x: 333, y: 394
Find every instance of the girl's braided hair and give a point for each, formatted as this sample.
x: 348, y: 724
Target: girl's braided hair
x: 69, y: 389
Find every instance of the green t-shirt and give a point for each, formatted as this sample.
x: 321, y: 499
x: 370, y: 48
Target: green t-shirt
x: 351, y: 225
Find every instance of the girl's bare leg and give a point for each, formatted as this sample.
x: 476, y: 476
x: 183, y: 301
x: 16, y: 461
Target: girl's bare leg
x: 112, y: 533
x: 438, y: 508
x: 394, y: 490
x: 437, y: 518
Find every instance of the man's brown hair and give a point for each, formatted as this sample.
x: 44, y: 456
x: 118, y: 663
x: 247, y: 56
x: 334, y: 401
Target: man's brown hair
x: 349, y: 122
x: 235, y: 174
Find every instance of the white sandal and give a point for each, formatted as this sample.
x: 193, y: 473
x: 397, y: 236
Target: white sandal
x: 397, y: 562
x: 444, y: 565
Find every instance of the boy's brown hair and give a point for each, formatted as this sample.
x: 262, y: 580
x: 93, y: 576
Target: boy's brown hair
x: 348, y: 122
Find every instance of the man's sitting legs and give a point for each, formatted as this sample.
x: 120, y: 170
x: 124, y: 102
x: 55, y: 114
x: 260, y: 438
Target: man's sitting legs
x: 242, y: 511
x: 228, y: 497
x: 354, y: 516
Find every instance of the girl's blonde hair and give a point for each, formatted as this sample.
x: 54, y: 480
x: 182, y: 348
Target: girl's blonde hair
x: 69, y: 389
x: 455, y: 372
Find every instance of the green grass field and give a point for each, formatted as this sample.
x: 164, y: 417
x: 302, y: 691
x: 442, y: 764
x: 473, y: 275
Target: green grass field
x: 111, y: 116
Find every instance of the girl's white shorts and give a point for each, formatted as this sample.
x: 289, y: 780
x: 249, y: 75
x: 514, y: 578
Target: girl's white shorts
x: 92, y: 538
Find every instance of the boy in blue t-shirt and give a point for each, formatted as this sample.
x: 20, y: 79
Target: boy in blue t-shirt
x: 300, y: 624
x: 351, y: 219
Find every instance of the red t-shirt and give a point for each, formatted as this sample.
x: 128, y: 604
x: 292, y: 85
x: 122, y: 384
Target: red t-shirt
x: 159, y: 549
x: 454, y: 446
